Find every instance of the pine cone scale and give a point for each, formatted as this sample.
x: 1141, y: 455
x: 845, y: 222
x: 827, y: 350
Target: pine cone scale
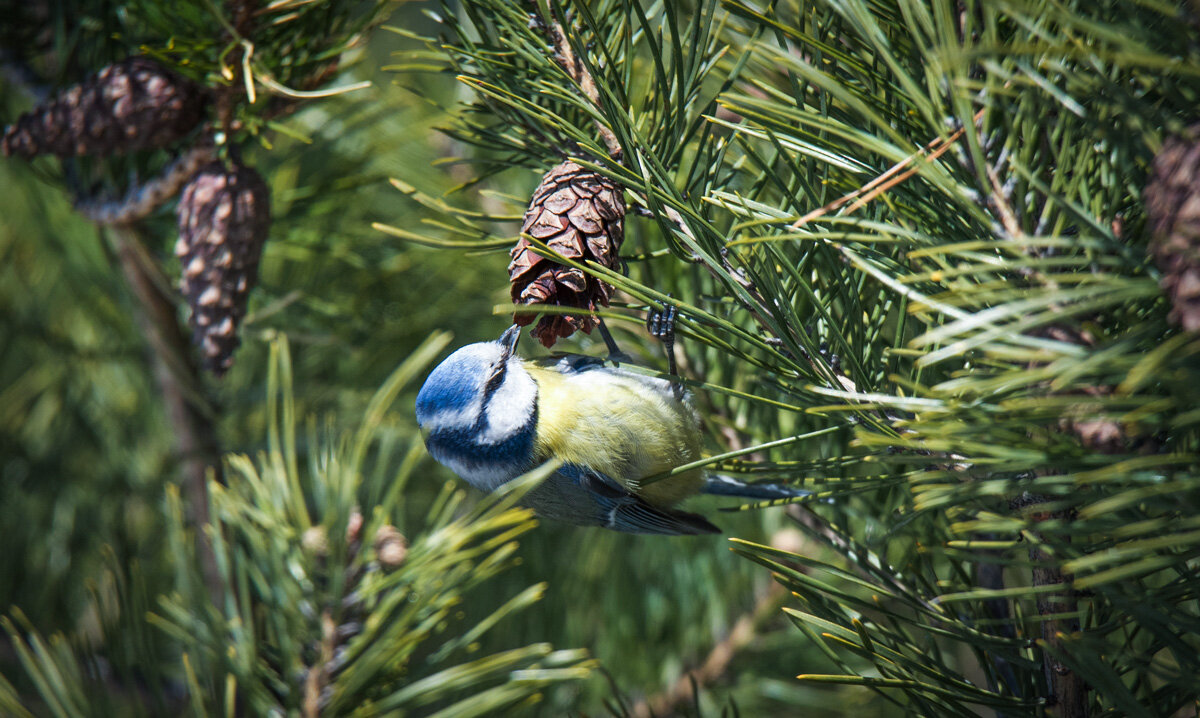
x: 568, y: 244
x: 523, y: 263
x: 547, y: 224
x: 610, y: 207
x: 597, y: 245
x: 586, y: 219
x: 560, y: 201
x: 572, y: 279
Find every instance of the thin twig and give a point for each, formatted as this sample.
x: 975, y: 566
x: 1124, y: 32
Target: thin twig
x: 1065, y: 685
x: 141, y: 200
x: 579, y: 73
x: 1008, y: 218
x: 318, y: 674
x: 893, y: 177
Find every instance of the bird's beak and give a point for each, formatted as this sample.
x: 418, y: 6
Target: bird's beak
x: 509, y: 338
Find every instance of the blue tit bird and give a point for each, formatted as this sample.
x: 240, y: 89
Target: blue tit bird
x: 491, y: 416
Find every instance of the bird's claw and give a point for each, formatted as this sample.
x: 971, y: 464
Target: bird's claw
x: 661, y: 325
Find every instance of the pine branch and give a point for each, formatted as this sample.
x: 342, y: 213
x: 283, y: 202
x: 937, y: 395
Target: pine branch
x: 896, y: 175
x: 141, y: 200
x: 1058, y: 609
x: 565, y: 55
x: 318, y: 674
x: 180, y: 386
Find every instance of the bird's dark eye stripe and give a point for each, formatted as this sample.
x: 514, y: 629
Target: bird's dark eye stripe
x: 493, y: 382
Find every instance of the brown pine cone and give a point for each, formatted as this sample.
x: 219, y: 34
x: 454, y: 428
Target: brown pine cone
x: 224, y: 214
x: 581, y: 215
x: 133, y: 105
x: 1173, y: 213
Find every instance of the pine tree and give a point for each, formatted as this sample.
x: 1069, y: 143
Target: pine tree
x: 908, y: 247
x: 933, y: 261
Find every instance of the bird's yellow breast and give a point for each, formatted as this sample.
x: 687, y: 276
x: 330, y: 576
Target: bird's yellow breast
x: 624, y: 425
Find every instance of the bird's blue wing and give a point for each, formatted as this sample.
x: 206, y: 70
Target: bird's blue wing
x: 616, y: 508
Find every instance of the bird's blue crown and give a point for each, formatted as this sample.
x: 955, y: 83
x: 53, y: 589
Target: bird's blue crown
x: 454, y: 385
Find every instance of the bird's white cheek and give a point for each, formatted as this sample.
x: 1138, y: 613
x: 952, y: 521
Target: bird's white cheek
x: 511, y: 407
x: 450, y: 418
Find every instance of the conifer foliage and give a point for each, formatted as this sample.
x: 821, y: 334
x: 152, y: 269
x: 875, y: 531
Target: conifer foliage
x: 934, y: 261
x: 194, y: 90
x: 948, y: 199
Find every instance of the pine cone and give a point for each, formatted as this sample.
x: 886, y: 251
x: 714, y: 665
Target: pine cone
x: 1173, y: 210
x: 224, y: 215
x: 580, y: 215
x: 132, y: 105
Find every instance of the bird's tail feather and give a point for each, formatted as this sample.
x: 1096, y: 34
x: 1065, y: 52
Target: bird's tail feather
x: 728, y: 486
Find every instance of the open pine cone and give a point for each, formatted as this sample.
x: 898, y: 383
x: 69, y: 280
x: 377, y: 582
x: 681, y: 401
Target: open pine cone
x: 133, y: 105
x: 1173, y: 210
x: 224, y: 214
x: 581, y: 215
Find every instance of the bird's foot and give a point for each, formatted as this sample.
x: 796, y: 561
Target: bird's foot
x: 661, y: 325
